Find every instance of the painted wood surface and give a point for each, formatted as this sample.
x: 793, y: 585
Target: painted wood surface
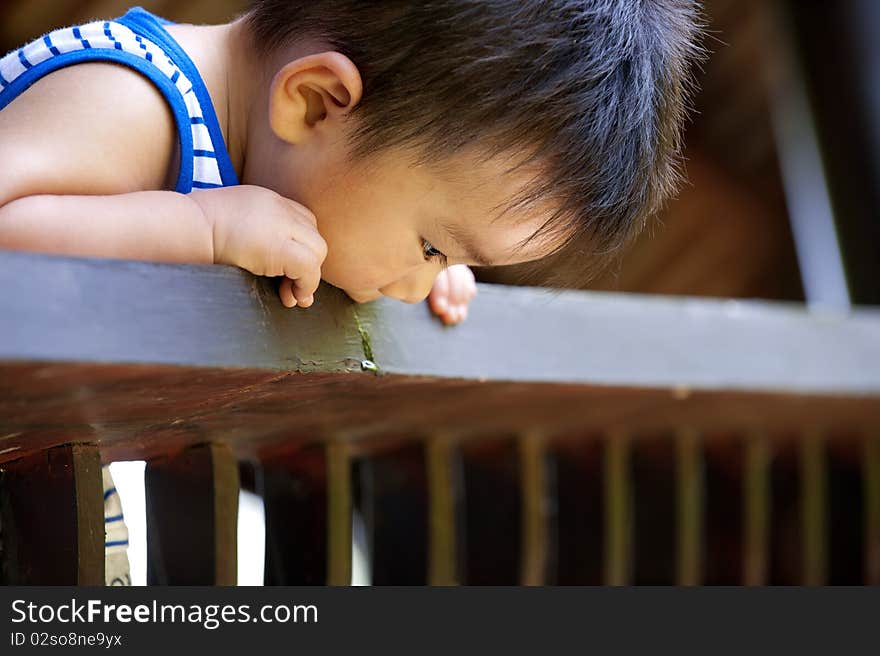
x: 90, y: 351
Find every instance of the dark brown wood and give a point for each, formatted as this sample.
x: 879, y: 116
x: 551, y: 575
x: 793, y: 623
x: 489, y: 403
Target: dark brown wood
x: 655, y: 518
x: 446, y: 499
x: 538, y: 522
x: 52, y: 518
x: 618, y: 509
x: 814, y: 508
x: 785, y: 527
x: 493, y: 515
x: 395, y: 502
x: 192, y: 517
x: 218, y: 357
x: 847, y: 501
x: 871, y: 487
x: 339, y: 515
x: 726, y: 521
x: 294, y: 490
x: 757, y: 508
x: 690, y: 497
x: 581, y: 512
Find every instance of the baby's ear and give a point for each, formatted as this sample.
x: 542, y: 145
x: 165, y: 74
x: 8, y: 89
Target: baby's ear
x: 308, y: 90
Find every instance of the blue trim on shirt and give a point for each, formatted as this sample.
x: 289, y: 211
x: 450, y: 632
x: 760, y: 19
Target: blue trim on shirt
x: 48, y: 41
x: 24, y: 61
x: 141, y: 21
x: 78, y: 35
x: 172, y: 95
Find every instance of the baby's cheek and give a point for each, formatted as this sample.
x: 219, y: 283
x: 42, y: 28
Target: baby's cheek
x: 354, y: 279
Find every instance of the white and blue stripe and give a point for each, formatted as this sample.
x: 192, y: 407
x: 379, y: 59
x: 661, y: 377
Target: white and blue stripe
x: 115, y: 531
x: 117, y: 570
x: 138, y: 40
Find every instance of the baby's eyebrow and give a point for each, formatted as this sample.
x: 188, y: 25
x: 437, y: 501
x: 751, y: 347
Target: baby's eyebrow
x: 468, y: 243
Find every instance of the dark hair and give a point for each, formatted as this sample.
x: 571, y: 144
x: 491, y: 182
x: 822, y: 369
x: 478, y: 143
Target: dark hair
x: 592, y: 91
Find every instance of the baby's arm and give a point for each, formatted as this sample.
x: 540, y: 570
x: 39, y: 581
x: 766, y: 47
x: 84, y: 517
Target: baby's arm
x: 160, y: 226
x: 87, y: 150
x: 88, y: 174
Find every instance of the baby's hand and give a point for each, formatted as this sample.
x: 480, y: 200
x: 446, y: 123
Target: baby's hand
x: 269, y: 235
x: 453, y: 289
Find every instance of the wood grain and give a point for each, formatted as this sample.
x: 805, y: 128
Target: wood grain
x: 52, y: 518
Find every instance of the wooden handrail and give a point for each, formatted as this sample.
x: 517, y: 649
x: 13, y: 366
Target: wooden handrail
x: 159, y: 356
x: 554, y: 436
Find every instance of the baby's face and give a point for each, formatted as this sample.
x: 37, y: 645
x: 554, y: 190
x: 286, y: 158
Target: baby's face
x: 375, y: 221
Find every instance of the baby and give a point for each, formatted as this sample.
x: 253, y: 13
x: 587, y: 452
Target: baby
x: 371, y: 144
x: 380, y: 146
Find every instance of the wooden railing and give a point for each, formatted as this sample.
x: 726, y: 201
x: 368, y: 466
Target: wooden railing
x: 565, y: 437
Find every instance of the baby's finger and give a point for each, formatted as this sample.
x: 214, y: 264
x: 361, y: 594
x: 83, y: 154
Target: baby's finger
x: 439, y: 296
x: 462, y: 285
x: 303, y: 266
x: 312, y: 239
x: 285, y: 290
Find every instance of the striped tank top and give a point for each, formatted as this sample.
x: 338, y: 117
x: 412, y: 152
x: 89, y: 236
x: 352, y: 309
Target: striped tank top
x: 137, y: 40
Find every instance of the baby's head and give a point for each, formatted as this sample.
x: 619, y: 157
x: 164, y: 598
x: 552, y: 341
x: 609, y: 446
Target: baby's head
x: 499, y: 132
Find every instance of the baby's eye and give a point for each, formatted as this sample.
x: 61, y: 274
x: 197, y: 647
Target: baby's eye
x: 431, y: 253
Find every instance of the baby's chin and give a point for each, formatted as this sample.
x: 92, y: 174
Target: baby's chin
x: 363, y: 296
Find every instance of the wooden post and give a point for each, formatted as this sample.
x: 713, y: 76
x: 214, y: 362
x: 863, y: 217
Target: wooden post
x: 690, y: 507
x: 443, y: 537
x: 338, y: 515
x: 294, y: 491
x: 493, y: 515
x: 395, y: 500
x: 52, y: 518
x: 814, y: 509
x: 756, y: 516
x: 535, y: 520
x: 618, y: 523
x: 192, y: 517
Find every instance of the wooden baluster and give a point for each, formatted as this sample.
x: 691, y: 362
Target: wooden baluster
x: 338, y: 515
x: 192, y: 517
x: 756, y: 504
x: 689, y: 483
x: 444, y: 494
x: 536, y: 520
x: 307, y: 504
x: 294, y: 490
x: 814, y: 509
x: 871, y: 476
x: 52, y: 518
x: 618, y: 521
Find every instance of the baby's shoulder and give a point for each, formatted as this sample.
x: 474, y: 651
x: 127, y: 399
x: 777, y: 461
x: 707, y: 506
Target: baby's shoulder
x: 91, y: 127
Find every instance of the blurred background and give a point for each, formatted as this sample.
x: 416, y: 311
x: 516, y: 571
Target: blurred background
x: 782, y: 151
